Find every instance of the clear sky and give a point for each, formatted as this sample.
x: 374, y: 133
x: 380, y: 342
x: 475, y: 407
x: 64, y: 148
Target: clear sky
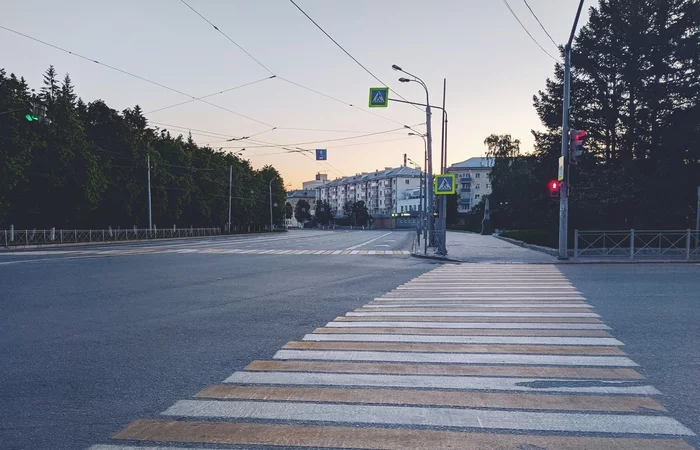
x: 491, y: 65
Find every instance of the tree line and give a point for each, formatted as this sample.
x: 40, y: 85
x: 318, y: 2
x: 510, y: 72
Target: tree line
x: 86, y: 167
x: 635, y: 89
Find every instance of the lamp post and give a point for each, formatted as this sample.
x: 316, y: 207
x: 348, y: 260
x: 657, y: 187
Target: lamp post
x: 424, y: 190
x: 270, y: 188
x: 429, y: 144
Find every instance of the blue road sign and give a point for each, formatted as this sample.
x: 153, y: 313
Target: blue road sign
x: 445, y: 184
x: 378, y: 97
x: 321, y: 154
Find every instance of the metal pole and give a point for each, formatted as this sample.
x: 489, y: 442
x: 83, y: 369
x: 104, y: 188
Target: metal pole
x: 230, y: 182
x: 564, y: 186
x: 697, y: 220
x: 270, y: 186
x: 443, y: 168
x: 429, y: 197
x: 150, y: 222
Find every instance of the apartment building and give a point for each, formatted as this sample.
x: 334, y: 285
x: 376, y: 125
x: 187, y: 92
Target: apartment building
x: 385, y: 192
x: 473, y: 181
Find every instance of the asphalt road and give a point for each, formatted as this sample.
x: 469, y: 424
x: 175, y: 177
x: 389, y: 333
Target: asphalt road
x: 655, y: 310
x: 89, y: 344
x: 95, y: 337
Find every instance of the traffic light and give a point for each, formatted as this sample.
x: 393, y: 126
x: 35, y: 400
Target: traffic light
x: 32, y: 116
x: 553, y: 187
x: 578, y: 138
x: 37, y: 113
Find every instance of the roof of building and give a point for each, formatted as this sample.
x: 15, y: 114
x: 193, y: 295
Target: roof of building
x: 376, y: 175
x: 474, y: 163
x: 302, y: 193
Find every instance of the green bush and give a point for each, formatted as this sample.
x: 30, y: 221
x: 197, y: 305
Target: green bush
x: 543, y: 237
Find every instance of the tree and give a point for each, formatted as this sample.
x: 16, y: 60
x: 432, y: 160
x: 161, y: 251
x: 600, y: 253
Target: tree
x: 288, y: 211
x: 324, y: 213
x: 87, y: 168
x: 360, y: 214
x: 302, y: 211
x: 636, y: 91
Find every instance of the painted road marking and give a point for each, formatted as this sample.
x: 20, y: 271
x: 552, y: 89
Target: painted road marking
x: 368, y: 242
x: 468, y: 314
x: 461, y: 358
x: 467, y: 332
x: 477, y: 305
x: 600, y: 373
x: 447, y: 310
x: 463, y: 339
x: 487, y: 325
x: 514, y: 349
x: 442, y: 417
x: 472, y: 319
x: 632, y: 404
x: 372, y: 438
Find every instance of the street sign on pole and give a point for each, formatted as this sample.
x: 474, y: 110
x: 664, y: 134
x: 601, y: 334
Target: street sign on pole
x: 445, y: 184
x: 321, y: 154
x: 560, y: 174
x: 378, y: 97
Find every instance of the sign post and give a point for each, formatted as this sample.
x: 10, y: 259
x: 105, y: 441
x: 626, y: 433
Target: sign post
x: 321, y: 154
x: 445, y: 184
x: 379, y: 97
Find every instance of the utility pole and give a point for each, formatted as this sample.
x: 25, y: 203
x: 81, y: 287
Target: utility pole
x: 230, y: 182
x: 270, y: 186
x: 564, y: 186
x: 150, y: 221
x: 442, y: 244
x: 697, y: 220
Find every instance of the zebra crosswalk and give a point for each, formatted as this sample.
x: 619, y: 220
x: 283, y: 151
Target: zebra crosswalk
x: 475, y: 357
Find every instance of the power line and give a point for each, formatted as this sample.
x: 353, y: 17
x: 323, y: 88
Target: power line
x: 541, y: 26
x: 347, y: 52
x: 131, y: 74
x: 528, y: 33
x: 282, y: 78
x: 227, y: 37
x: 209, y: 95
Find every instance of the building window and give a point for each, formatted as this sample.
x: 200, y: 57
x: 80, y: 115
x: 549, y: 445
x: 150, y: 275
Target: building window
x: 465, y: 185
x: 477, y: 196
x: 488, y: 186
x: 408, y: 181
x: 478, y: 186
x: 478, y: 175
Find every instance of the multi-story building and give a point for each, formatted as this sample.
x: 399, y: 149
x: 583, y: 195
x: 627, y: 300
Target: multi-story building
x: 385, y: 192
x: 473, y: 181
x: 320, y: 179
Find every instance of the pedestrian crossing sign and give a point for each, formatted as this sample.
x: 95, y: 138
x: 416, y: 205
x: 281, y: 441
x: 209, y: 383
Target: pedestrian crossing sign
x: 445, y: 184
x: 378, y: 97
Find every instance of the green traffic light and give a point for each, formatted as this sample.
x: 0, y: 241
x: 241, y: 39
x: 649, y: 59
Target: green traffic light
x: 29, y: 117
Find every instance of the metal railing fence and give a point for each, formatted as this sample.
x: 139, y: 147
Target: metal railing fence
x: 14, y: 238
x: 670, y: 244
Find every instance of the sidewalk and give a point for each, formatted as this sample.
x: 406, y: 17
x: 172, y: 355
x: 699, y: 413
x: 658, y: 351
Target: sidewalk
x: 470, y: 247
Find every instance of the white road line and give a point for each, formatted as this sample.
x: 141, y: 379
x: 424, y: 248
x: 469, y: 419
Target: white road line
x: 418, y: 415
x: 476, y: 297
x: 368, y: 242
x: 461, y: 358
x: 466, y: 314
x: 463, y: 339
x: 479, y: 305
x: 475, y: 325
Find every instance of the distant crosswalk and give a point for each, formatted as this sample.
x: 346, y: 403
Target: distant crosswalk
x: 475, y: 357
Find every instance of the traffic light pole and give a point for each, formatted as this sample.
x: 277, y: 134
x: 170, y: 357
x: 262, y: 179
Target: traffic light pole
x: 563, y: 252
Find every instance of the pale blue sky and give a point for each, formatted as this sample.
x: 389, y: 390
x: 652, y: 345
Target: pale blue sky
x: 492, y: 68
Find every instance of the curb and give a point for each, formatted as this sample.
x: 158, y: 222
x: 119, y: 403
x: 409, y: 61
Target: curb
x: 538, y: 248
x: 443, y: 259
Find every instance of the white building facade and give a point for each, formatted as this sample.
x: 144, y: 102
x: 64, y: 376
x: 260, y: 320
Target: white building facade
x: 473, y: 181
x: 385, y: 192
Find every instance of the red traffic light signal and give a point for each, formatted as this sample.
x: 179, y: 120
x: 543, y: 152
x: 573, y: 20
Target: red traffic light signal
x: 579, y: 136
x: 553, y: 187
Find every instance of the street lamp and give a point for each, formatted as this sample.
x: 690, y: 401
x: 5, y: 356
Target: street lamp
x: 429, y: 143
x: 270, y: 188
x: 424, y: 190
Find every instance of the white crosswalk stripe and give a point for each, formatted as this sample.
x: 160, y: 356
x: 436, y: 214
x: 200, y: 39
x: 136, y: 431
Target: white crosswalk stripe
x: 515, y: 350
